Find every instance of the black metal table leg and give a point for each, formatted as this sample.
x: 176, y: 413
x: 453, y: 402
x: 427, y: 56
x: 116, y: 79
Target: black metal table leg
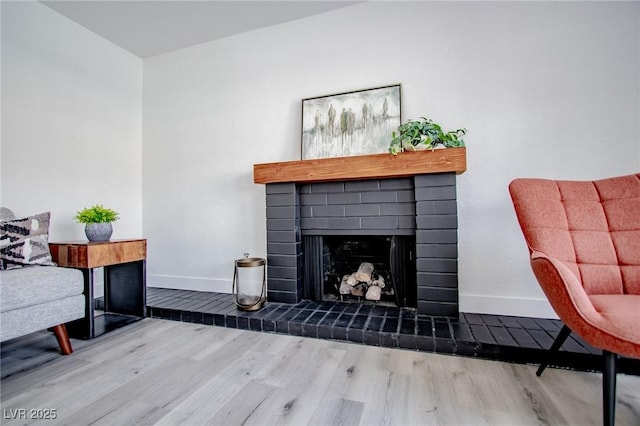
x: 84, y: 328
x: 125, y: 288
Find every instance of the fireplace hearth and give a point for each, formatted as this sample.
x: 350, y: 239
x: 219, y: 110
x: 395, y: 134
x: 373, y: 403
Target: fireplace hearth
x: 512, y: 339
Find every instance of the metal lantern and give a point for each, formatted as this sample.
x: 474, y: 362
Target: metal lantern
x: 250, y: 283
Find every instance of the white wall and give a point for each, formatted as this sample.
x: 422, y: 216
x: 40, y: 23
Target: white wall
x: 71, y: 122
x: 545, y: 89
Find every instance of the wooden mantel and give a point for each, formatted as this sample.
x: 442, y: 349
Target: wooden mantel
x: 376, y: 166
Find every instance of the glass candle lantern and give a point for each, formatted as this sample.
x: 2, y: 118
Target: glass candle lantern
x: 249, y: 283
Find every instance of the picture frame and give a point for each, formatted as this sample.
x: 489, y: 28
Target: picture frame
x: 359, y: 122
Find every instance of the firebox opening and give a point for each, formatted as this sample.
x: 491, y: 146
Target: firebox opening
x: 351, y: 267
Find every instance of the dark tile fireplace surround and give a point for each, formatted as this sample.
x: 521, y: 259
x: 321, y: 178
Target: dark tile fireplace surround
x: 422, y: 206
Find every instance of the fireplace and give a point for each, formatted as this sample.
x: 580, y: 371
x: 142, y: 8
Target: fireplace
x: 332, y: 264
x: 417, y: 212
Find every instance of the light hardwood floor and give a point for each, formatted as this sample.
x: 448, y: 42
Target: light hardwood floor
x: 172, y: 373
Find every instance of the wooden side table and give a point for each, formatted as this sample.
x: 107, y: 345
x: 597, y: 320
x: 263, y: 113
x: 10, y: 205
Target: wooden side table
x: 125, y: 287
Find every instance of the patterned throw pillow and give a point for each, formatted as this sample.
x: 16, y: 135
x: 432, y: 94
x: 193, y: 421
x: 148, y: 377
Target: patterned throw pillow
x: 25, y: 242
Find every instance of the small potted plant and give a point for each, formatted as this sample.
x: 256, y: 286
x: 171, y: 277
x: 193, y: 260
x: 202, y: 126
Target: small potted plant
x: 97, y: 220
x: 424, y: 134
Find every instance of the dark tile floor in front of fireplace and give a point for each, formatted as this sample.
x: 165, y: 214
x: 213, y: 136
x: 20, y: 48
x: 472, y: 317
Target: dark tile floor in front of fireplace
x: 504, y: 338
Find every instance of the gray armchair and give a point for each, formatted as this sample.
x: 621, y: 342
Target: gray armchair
x: 35, y: 297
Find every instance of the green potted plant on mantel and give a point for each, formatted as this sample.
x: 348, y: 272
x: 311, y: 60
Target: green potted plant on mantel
x: 420, y: 134
x: 97, y: 220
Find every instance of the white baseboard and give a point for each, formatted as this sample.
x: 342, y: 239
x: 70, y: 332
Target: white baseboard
x: 513, y: 306
x: 189, y: 283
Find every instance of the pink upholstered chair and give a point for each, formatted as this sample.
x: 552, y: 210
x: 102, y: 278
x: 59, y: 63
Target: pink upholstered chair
x: 584, y: 242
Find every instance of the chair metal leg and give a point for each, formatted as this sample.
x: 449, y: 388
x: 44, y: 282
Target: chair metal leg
x: 562, y: 336
x: 609, y: 388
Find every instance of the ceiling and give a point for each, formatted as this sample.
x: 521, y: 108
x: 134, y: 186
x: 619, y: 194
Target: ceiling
x: 149, y: 27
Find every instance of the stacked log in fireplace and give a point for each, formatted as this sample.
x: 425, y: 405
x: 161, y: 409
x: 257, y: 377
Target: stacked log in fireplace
x: 365, y: 282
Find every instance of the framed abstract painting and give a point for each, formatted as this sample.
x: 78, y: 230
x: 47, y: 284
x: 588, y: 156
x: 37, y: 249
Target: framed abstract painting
x: 350, y: 123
